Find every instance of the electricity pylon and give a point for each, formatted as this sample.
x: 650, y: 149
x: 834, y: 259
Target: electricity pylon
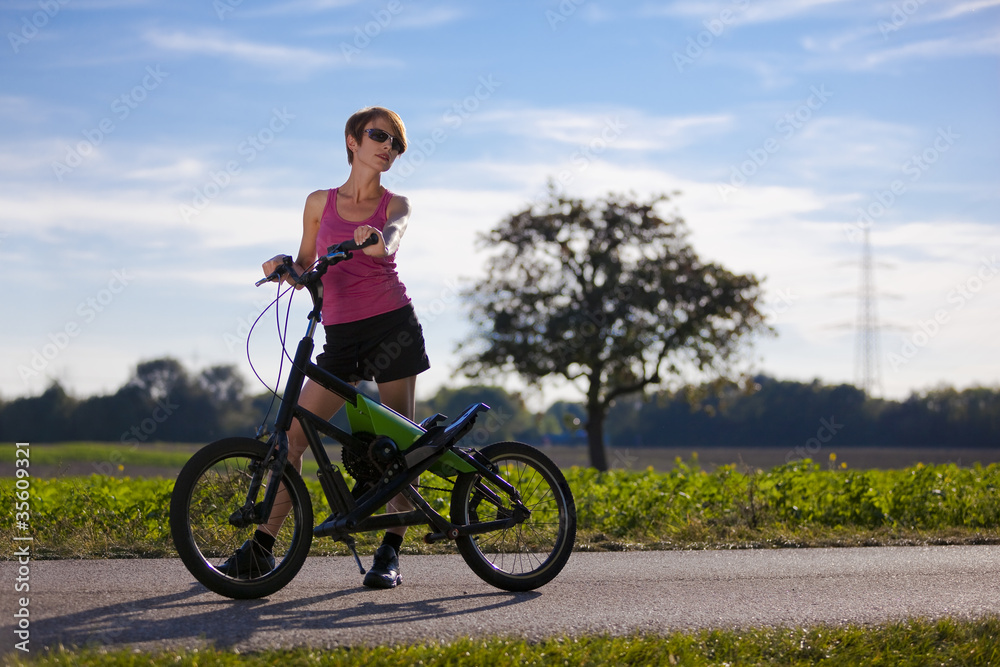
x: 867, y: 369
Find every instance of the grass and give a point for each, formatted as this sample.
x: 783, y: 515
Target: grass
x: 160, y: 455
x: 118, y: 459
x: 913, y: 642
x: 795, y: 505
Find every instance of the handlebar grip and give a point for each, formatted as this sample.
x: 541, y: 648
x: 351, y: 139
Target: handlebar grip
x: 284, y: 268
x: 351, y: 245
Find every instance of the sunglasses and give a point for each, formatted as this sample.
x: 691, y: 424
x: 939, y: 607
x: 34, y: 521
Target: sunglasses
x: 379, y: 136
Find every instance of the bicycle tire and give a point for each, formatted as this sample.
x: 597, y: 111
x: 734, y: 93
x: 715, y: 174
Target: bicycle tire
x: 210, y: 487
x: 529, y: 554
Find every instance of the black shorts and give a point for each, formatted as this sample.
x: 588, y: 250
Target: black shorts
x: 382, y: 348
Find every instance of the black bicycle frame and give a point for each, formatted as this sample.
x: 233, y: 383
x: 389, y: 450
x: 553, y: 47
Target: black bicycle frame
x: 352, y: 515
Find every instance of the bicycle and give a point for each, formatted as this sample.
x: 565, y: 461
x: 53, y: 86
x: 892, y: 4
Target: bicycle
x: 512, y: 514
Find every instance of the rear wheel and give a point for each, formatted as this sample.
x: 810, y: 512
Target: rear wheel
x: 209, y: 489
x: 528, y: 554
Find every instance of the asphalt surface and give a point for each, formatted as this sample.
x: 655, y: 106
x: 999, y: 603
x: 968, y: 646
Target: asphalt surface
x: 150, y: 604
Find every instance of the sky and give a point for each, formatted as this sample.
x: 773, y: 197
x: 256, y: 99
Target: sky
x: 154, y: 153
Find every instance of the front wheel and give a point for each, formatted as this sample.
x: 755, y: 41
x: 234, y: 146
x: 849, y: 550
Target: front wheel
x: 209, y: 489
x: 530, y: 553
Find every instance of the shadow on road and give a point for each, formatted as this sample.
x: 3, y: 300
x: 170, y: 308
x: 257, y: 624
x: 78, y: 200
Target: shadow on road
x: 190, y: 615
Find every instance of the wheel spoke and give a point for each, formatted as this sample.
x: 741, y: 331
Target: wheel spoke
x: 209, y: 489
x: 531, y: 552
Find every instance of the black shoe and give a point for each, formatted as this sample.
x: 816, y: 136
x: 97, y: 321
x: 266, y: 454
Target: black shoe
x: 384, y: 572
x: 250, y: 560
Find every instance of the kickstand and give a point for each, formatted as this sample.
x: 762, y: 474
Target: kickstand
x: 349, y: 541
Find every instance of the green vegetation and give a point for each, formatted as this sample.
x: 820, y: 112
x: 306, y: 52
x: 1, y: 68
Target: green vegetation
x: 108, y: 457
x: 799, y: 504
x: 913, y: 642
x: 164, y: 402
x: 116, y: 458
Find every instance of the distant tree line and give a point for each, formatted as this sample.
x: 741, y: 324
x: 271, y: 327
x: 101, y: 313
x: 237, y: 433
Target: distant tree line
x: 790, y: 414
x: 160, y: 402
x: 163, y: 402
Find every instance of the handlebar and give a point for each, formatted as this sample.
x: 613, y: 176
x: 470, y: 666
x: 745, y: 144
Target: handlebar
x: 349, y: 245
x: 334, y: 255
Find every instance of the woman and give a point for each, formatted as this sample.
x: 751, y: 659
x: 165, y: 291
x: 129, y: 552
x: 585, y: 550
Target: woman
x: 365, y: 312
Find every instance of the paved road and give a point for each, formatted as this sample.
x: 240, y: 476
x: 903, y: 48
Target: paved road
x: 156, y: 603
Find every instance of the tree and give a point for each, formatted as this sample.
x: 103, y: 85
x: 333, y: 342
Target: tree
x: 179, y: 408
x: 160, y: 378
x: 609, y: 296
x: 225, y: 391
x: 224, y: 385
x: 44, y: 418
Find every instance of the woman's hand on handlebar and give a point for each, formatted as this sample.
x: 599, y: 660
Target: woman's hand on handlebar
x: 281, y: 266
x: 362, y: 233
x: 273, y: 264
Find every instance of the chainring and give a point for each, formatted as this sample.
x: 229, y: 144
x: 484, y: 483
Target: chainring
x: 357, y: 460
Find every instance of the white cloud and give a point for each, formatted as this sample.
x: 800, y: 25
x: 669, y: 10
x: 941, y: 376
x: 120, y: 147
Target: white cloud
x: 893, y: 35
x: 769, y: 231
x: 961, y: 9
x: 779, y: 10
x: 370, y: 25
x: 611, y: 128
x: 426, y: 17
x: 741, y: 10
x: 944, y: 47
x: 181, y: 170
x: 142, y: 217
x: 268, y: 55
x: 301, y: 7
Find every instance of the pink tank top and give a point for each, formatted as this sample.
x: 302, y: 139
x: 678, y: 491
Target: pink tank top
x: 362, y: 286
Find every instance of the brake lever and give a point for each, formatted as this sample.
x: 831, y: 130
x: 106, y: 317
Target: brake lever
x: 275, y: 275
x: 287, y: 266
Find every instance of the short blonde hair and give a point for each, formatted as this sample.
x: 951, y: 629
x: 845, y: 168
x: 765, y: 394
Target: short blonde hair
x: 356, y: 126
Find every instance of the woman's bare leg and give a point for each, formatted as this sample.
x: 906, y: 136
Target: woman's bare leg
x: 322, y: 403
x: 400, y: 395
